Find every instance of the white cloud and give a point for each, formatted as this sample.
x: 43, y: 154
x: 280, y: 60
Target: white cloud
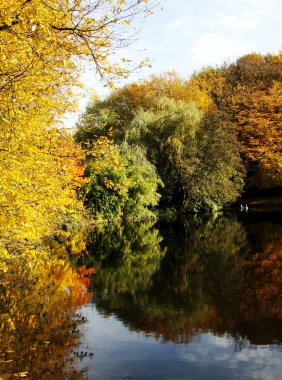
x: 250, y: 9
x: 247, y: 4
x: 240, y: 24
x: 252, y: 362
x: 207, y: 22
x: 212, y: 48
x: 177, y: 24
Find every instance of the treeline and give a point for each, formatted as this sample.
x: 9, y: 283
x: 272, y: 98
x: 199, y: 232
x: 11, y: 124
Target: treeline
x: 193, y: 144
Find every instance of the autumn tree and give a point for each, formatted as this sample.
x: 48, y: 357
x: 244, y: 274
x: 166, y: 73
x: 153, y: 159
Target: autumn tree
x: 254, y: 104
x: 248, y: 92
x: 145, y: 94
x: 45, y: 45
x: 259, y: 125
x: 240, y: 107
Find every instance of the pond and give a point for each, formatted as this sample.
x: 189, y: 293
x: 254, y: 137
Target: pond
x: 198, y: 299
x: 195, y: 299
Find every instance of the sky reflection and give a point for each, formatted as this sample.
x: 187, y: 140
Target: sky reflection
x: 123, y: 354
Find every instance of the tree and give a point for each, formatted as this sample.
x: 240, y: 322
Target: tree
x: 216, y: 175
x: 144, y: 184
x: 248, y: 92
x: 122, y: 183
x: 146, y: 94
x: 106, y: 192
x: 196, y: 157
x: 259, y: 126
x: 46, y: 35
x: 111, y: 116
x: 45, y: 45
x: 38, y: 185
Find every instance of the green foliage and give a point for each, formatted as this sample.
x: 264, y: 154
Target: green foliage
x: 96, y: 121
x: 143, y: 184
x: 164, y: 134
x: 122, y: 183
x: 217, y: 176
x: 126, y: 257
x: 197, y: 157
x: 105, y: 192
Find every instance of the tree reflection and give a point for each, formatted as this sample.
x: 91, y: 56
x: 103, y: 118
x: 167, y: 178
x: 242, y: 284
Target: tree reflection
x: 217, y: 275
x: 126, y: 257
x: 262, y: 306
x: 37, y: 329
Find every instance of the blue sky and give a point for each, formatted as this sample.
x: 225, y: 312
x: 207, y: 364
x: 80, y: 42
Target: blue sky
x: 189, y: 34
x: 186, y: 35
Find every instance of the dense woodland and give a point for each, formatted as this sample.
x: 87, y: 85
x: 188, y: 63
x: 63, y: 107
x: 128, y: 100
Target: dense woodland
x: 197, y: 144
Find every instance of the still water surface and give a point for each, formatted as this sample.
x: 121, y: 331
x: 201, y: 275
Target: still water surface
x: 198, y: 299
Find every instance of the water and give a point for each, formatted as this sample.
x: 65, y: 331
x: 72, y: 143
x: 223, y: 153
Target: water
x: 124, y: 354
x: 200, y: 299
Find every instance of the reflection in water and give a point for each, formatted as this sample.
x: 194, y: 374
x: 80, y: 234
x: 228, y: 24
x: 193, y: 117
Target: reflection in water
x: 216, y: 275
x: 124, y: 354
x: 126, y: 257
x: 37, y: 328
x: 207, y: 283
x: 208, y: 290
x: 262, y: 291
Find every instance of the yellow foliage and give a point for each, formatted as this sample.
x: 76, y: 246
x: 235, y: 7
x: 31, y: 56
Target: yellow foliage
x: 39, y: 177
x: 43, y: 47
x: 39, y: 295
x: 259, y: 124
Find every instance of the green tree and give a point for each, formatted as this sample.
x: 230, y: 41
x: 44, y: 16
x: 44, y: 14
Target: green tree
x: 196, y: 157
x: 216, y: 178
x: 122, y: 183
x: 144, y: 184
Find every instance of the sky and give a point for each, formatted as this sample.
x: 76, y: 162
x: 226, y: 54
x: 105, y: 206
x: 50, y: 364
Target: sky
x: 187, y: 35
